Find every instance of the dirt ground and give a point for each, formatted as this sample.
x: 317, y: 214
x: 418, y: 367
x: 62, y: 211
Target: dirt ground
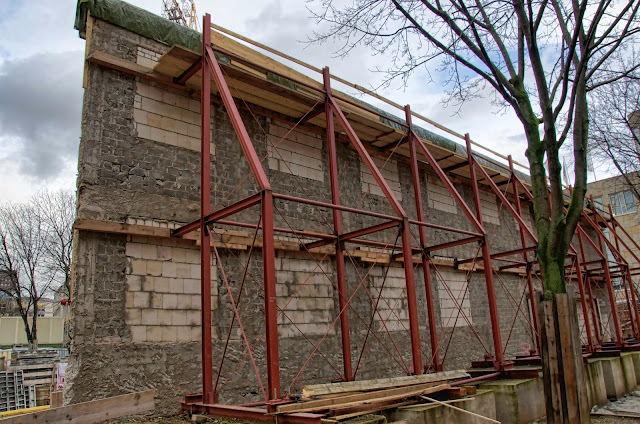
x: 183, y: 419
x: 174, y: 419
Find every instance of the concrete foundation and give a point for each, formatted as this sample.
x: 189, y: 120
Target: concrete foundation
x: 596, y: 388
x: 482, y: 403
x: 613, y: 376
x: 518, y: 401
x: 636, y: 364
x: 628, y: 372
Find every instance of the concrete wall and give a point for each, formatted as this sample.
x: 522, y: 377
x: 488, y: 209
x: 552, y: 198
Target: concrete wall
x: 136, y: 299
x: 49, y: 331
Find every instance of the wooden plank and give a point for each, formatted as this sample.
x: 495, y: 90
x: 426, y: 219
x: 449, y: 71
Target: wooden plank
x: 549, y: 354
x: 373, y: 410
x: 584, y: 407
x: 352, y: 398
x: 90, y: 412
x: 123, y: 65
x: 567, y: 371
x: 56, y: 399
x: 405, y: 394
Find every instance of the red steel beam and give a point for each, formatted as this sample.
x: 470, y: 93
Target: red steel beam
x: 205, y: 208
x: 503, y: 254
x: 523, y: 243
x: 442, y: 227
x: 614, y: 225
x: 448, y: 184
x: 341, y: 273
x: 488, y: 270
x: 331, y: 206
x: 452, y: 244
x: 434, y: 364
x: 219, y: 214
x: 236, y: 120
x: 366, y: 158
x: 412, y: 305
x: 186, y: 75
x: 608, y: 283
x: 505, y: 202
x: 270, y: 304
x: 632, y: 311
x: 354, y: 234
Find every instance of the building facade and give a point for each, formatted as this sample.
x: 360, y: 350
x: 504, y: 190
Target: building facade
x: 136, y: 289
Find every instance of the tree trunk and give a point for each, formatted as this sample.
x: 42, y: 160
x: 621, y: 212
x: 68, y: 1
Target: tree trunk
x: 33, y: 337
x: 562, y: 364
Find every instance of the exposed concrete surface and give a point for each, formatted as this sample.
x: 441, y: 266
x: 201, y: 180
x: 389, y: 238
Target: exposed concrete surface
x: 481, y: 403
x: 627, y: 405
x: 518, y: 401
x: 596, y: 387
x: 613, y: 377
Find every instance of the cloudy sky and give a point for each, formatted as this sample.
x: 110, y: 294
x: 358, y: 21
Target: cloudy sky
x: 41, y: 62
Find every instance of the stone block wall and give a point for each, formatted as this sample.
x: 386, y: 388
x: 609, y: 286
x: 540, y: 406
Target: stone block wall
x: 137, y: 298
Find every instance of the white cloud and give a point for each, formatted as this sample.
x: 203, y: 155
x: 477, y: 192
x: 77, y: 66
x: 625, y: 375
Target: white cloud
x: 41, y: 60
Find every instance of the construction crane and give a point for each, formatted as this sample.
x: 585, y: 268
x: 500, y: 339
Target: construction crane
x: 182, y: 12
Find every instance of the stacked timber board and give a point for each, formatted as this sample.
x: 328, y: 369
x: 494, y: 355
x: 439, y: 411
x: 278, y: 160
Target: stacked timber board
x: 344, y: 401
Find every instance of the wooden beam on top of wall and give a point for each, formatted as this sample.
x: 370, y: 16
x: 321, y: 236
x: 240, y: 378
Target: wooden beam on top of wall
x: 241, y: 240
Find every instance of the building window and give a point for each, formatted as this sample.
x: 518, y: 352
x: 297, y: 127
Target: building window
x: 599, y: 205
x: 623, y: 202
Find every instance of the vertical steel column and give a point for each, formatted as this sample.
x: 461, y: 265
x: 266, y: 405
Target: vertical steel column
x: 594, y: 313
x: 523, y: 243
x: 636, y: 317
x: 407, y: 257
x: 488, y: 270
x: 268, y: 250
x: 609, y: 284
x: 583, y: 303
x: 434, y: 364
x: 205, y: 209
x: 337, y: 226
x: 270, y: 304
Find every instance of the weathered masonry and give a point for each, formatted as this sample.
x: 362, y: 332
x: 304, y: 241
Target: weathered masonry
x: 336, y: 225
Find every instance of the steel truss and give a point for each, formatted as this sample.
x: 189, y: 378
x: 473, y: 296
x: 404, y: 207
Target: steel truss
x: 403, y: 247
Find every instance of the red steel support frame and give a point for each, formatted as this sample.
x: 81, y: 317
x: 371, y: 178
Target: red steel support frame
x: 614, y: 226
x: 499, y: 362
x: 608, y: 282
x: 268, y: 249
x: 616, y: 253
x: 594, y: 315
x: 265, y: 197
x: 525, y: 255
x: 205, y: 209
x: 407, y: 252
x: 337, y: 226
x: 434, y: 364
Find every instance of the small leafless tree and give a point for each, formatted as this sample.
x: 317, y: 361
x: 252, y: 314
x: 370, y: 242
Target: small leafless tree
x: 57, y: 211
x: 615, y: 130
x: 35, y: 252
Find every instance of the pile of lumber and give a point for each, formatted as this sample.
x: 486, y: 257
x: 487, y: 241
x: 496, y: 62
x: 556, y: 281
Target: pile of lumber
x: 343, y: 401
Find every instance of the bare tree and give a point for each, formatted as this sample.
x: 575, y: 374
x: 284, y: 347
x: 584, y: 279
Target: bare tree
x: 540, y: 58
x: 57, y: 212
x: 35, y: 252
x: 614, y: 138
